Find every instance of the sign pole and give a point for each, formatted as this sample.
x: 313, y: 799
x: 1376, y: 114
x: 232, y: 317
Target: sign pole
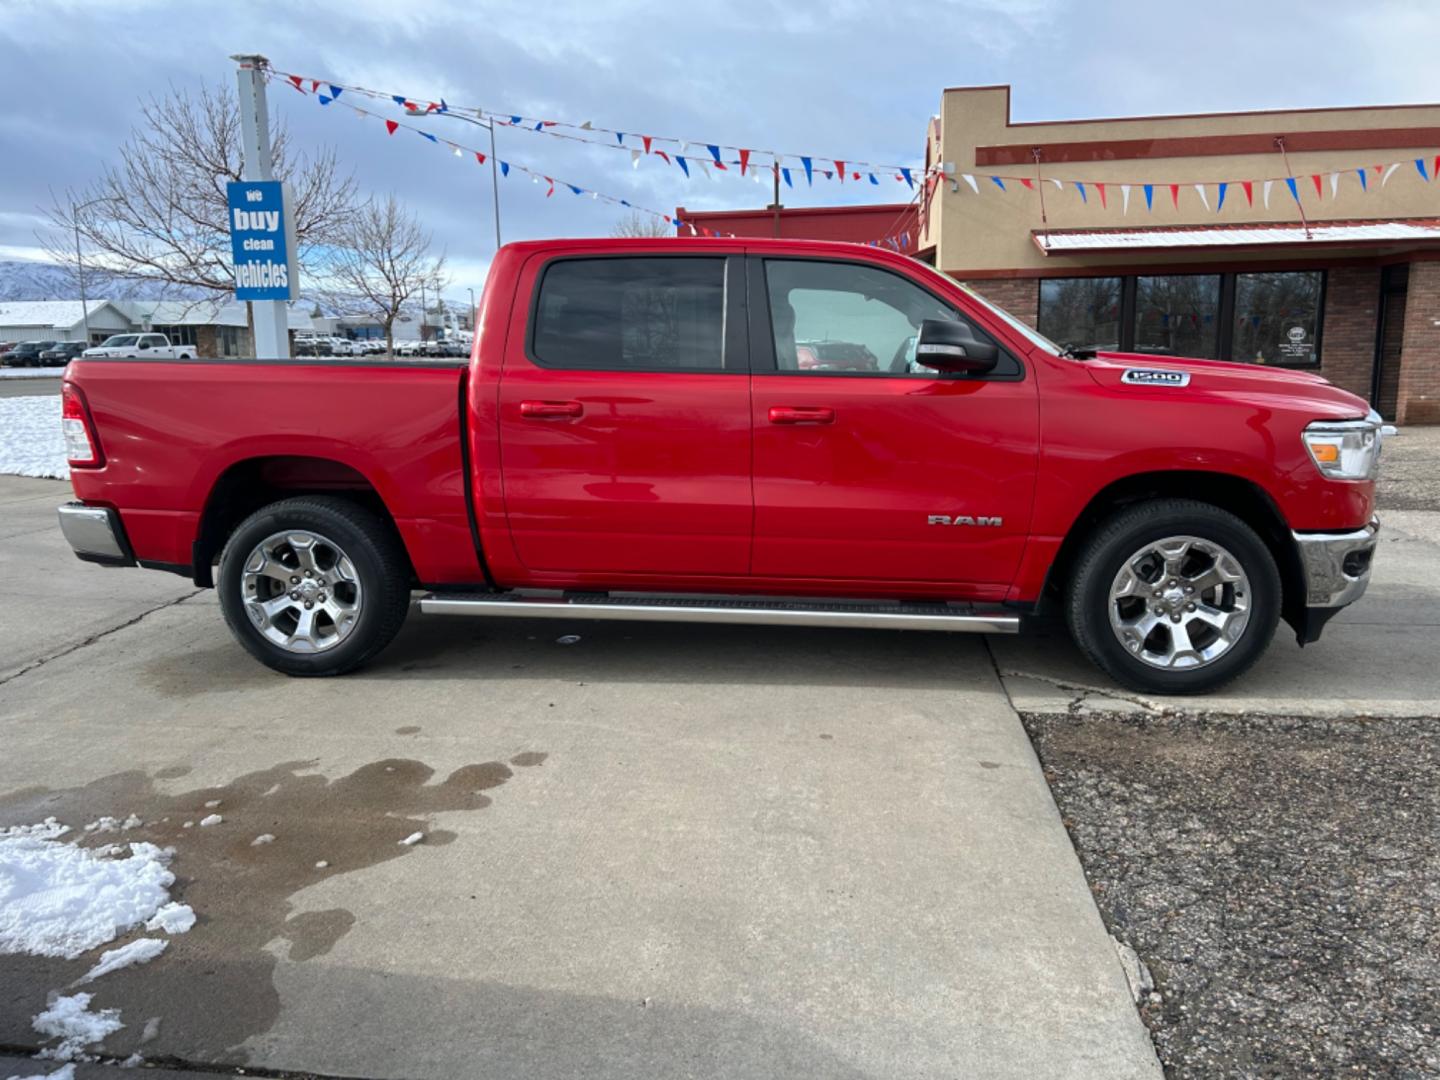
x: 272, y: 336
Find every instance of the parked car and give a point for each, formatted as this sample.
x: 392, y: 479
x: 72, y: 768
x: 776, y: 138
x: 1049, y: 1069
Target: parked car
x: 26, y: 353
x: 312, y: 346
x: 147, y: 346
x: 636, y: 440
x: 62, y: 352
x: 341, y: 347
x: 409, y: 348
x: 374, y: 346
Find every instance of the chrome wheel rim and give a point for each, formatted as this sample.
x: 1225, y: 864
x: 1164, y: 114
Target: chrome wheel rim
x: 1180, y: 603
x: 301, y: 591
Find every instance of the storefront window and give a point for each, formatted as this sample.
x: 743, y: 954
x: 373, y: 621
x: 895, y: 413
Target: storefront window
x: 1083, y: 312
x: 1277, y: 317
x: 1177, y: 315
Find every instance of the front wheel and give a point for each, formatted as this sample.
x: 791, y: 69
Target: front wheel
x: 1174, y: 596
x: 314, y: 585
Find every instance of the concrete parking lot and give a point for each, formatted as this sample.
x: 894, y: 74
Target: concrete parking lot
x: 657, y: 851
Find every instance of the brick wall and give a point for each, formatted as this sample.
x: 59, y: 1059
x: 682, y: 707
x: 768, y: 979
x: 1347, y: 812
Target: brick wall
x: 1019, y: 296
x: 1418, y: 399
x: 1347, y: 342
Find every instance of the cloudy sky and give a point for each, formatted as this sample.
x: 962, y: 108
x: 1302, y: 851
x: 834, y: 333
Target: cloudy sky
x: 843, y: 79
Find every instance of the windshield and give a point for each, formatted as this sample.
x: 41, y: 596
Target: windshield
x: 118, y: 340
x: 1034, y: 336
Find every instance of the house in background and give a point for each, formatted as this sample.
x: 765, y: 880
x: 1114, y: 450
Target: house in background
x: 215, y: 328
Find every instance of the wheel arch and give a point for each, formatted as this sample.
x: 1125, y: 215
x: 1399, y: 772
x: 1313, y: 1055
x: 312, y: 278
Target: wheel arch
x: 1241, y: 497
x: 246, y: 485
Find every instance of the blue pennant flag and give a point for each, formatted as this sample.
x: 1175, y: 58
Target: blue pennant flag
x: 624, y: 203
x: 809, y: 171
x: 427, y: 135
x: 684, y: 165
x: 1420, y: 165
x: 786, y: 174
x: 1294, y: 191
x: 323, y: 99
x: 516, y: 119
x: 1149, y: 196
x: 873, y: 180
x: 714, y: 152
x: 539, y: 124
x: 398, y: 99
x: 504, y: 168
x: 576, y: 190
x: 335, y: 91
x: 998, y: 182
x: 1220, y: 202
x: 910, y: 180
x: 443, y: 106
x: 1364, y: 185
x: 620, y: 137
x: 1081, y: 188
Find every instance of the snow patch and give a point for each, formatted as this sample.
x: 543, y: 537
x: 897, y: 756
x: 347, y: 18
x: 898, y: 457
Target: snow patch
x: 31, y: 372
x: 65, y: 1072
x: 70, y: 1020
x: 321, y: 865
x: 263, y: 838
x: 57, y: 899
x: 30, y: 440
x: 140, y: 951
x: 413, y: 839
x: 210, y: 819
x: 172, y: 918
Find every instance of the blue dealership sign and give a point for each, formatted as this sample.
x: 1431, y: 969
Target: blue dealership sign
x: 262, y: 240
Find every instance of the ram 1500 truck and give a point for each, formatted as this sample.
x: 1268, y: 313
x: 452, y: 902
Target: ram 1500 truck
x: 739, y: 431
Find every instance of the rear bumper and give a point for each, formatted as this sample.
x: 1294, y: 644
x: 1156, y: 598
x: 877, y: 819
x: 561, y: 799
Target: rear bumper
x: 1337, y: 565
x: 96, y: 534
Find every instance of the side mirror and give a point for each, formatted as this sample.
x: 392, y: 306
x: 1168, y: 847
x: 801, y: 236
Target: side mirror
x: 947, y: 346
x: 144, y: 344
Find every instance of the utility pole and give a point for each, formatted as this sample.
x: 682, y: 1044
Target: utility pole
x: 423, y: 318
x: 271, y: 317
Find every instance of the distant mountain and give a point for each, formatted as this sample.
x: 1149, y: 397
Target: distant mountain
x: 25, y: 279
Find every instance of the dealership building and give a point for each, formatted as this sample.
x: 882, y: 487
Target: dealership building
x: 1306, y: 239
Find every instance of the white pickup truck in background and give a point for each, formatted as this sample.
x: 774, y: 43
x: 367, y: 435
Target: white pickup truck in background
x: 152, y: 346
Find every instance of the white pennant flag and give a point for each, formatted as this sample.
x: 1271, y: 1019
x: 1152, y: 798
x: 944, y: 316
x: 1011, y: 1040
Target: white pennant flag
x: 704, y: 167
x: 634, y: 159
x: 1266, y: 190
x: 1124, y: 198
x: 971, y: 181
x: 1200, y: 190
x: 1334, y: 184
x: 1059, y: 184
x: 458, y: 153
x: 586, y: 126
x: 1388, y: 173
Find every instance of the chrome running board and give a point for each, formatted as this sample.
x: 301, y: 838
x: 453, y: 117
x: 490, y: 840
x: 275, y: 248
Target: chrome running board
x: 749, y: 611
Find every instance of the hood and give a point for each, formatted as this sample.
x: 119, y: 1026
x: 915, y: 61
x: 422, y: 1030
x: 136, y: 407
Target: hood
x: 1270, y: 387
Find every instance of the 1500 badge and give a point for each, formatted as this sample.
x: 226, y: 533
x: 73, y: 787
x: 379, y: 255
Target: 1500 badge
x: 963, y: 519
x: 1155, y: 377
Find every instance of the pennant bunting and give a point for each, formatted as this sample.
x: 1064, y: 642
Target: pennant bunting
x: 785, y: 173
x: 391, y: 126
x: 1334, y: 185
x: 1025, y: 182
x: 998, y: 182
x: 909, y: 180
x: 809, y: 170
x: 1364, y: 184
x: 1389, y: 172
x: 1420, y: 168
x: 1100, y: 190
x: 1204, y: 199
x: 840, y: 168
x: 1319, y: 191
x: 1150, y: 197
x: 1265, y: 191
x: 1294, y: 191
x: 969, y: 179
x: 1249, y: 186
x: 634, y: 159
x: 679, y: 160
x: 1175, y: 196
x: 1220, y: 197
x: 744, y: 161
x: 1081, y: 188
x: 1124, y: 198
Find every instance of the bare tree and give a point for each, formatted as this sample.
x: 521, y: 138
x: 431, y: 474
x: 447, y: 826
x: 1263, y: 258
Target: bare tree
x: 637, y: 224
x: 380, y: 263
x: 161, y: 214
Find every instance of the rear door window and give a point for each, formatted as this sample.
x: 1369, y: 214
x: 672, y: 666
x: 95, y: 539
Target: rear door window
x: 664, y: 313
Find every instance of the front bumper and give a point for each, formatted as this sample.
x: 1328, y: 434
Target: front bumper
x: 1337, y: 565
x: 96, y: 534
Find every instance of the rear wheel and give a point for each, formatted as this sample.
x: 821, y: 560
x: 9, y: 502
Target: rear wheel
x: 1174, y: 597
x: 314, y: 585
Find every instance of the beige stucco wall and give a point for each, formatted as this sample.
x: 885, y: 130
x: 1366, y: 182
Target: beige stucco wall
x: 991, y: 231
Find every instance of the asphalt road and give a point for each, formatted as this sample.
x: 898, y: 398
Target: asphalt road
x: 28, y: 387
x: 701, y: 851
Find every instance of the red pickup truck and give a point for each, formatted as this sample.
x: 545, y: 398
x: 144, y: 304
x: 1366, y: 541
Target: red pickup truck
x: 740, y: 431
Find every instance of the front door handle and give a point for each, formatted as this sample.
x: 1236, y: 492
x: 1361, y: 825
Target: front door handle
x: 551, y: 410
x: 792, y: 414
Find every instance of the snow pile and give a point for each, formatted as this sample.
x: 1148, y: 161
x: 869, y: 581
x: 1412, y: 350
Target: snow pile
x: 210, y: 819
x: 31, y: 372
x: 57, y: 899
x: 413, y: 839
x: 262, y: 839
x: 172, y: 918
x: 70, y: 1020
x: 65, y: 1072
x: 30, y: 439
x: 140, y: 951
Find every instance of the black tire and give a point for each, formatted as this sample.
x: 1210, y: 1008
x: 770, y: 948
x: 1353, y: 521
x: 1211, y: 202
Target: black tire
x: 380, y: 565
x: 1104, y: 553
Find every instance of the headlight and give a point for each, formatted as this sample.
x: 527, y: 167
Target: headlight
x: 1345, y: 449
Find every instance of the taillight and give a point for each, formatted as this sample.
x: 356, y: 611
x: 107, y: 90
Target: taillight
x: 82, y: 447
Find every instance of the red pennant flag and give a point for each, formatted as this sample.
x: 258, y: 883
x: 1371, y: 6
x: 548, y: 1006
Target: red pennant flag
x: 1249, y: 186
x: 1101, y: 189
x: 1175, y: 196
x: 840, y: 168
x: 299, y: 83
x: 720, y: 165
x: 1027, y: 183
x: 664, y: 155
x: 854, y: 176
x: 552, y: 187
x: 1316, y: 177
x: 646, y: 140
x: 314, y: 85
x: 390, y: 126
x: 479, y: 157
x: 744, y: 164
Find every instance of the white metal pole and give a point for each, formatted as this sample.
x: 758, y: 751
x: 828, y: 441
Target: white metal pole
x: 80, y: 273
x: 272, y: 331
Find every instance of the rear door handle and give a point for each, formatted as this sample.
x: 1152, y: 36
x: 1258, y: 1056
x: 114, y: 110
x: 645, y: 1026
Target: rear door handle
x: 791, y: 414
x: 551, y: 410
